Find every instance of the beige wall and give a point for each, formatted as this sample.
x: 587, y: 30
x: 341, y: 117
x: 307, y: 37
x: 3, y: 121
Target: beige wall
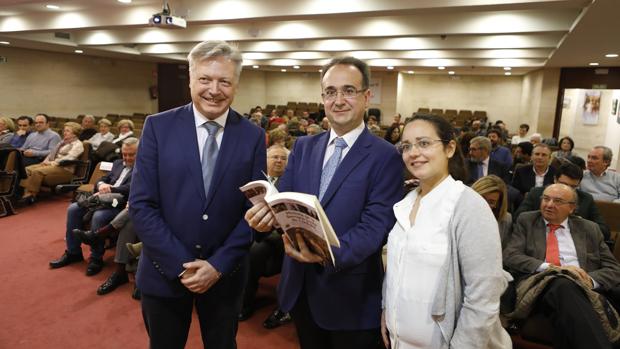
x: 67, y: 85
x: 538, y: 100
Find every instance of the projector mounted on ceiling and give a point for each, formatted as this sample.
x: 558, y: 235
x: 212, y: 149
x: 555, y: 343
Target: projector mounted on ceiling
x: 165, y: 20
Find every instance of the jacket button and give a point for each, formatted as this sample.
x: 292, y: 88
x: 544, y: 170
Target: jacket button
x: 205, y: 217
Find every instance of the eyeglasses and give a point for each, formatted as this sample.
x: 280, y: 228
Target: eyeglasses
x: 421, y: 145
x: 348, y: 92
x: 278, y: 157
x: 546, y: 199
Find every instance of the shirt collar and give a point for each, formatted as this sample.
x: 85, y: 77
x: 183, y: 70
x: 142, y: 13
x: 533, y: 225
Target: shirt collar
x: 564, y: 223
x: 349, y: 137
x: 536, y: 173
x: 200, y: 119
x: 485, y: 162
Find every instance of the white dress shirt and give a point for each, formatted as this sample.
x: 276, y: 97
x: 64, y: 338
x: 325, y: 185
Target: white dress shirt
x: 349, y: 137
x: 201, y: 131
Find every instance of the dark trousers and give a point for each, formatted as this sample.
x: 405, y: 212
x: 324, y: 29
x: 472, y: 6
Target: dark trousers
x: 311, y: 336
x: 575, y: 323
x: 265, y: 260
x: 167, y: 320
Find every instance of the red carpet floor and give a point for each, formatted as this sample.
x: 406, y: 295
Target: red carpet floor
x: 44, y: 308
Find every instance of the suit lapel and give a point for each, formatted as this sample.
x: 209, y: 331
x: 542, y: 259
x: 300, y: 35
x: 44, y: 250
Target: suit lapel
x: 579, y: 240
x: 355, y: 155
x: 540, y: 237
x: 189, y: 148
x: 316, y: 163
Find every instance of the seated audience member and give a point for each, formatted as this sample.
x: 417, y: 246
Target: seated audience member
x: 396, y: 121
x: 7, y: 129
x: 536, y: 138
x: 476, y: 128
x: 599, y: 180
x: 480, y: 163
x: 314, y: 129
x: 275, y: 119
x: 522, y: 135
x: 122, y: 227
x: 576, y: 262
x: 267, y: 251
x: 24, y: 124
x: 325, y: 124
x: 104, y: 134
x: 577, y: 160
x: 522, y: 155
x: 501, y: 126
x: 88, y: 127
x: 51, y: 171
x: 38, y: 144
x: 293, y: 127
x: 110, y: 150
x: 498, y: 151
x: 538, y: 174
x: 566, y: 148
x: 372, y: 120
x: 392, y: 135
x: 117, y: 181
x: 493, y: 190
x: 568, y: 174
x: 464, y: 139
x: 278, y: 136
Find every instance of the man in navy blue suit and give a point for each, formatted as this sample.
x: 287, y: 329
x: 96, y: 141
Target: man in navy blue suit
x: 340, y: 307
x: 187, y: 208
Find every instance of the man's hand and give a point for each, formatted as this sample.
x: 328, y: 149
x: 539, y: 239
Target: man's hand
x: 302, y: 255
x: 199, y: 276
x: 260, y: 218
x: 583, y: 275
x: 21, y: 132
x: 28, y: 153
x: 105, y: 188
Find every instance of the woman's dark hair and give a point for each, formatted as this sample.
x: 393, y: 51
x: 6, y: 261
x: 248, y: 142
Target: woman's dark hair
x: 570, y: 140
x: 388, y: 134
x: 445, y: 131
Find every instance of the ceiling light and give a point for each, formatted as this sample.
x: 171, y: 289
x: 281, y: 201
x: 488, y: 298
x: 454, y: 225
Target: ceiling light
x: 283, y: 70
x: 320, y: 70
x: 52, y: 7
x: 441, y: 68
x: 611, y: 55
x: 594, y: 64
x: 507, y: 68
x: 295, y: 67
x: 390, y: 67
x: 255, y: 67
x: 78, y: 51
x: 125, y: 1
x: 410, y: 72
x: 4, y: 43
x: 507, y: 73
x: 451, y: 72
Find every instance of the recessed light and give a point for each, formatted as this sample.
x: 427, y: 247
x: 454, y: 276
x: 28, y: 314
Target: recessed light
x: 4, y: 43
x: 594, y: 64
x: 320, y: 70
x: 507, y: 68
x: 78, y: 51
x: 451, y: 72
x: 295, y: 67
x: 124, y: 1
x: 255, y: 67
x: 410, y: 72
x: 390, y: 67
x: 441, y: 68
x: 283, y: 70
x: 611, y: 55
x: 52, y: 7
x: 507, y: 73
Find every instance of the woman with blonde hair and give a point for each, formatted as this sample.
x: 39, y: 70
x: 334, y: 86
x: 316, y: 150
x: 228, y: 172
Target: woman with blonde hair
x: 7, y: 127
x: 493, y: 190
x: 110, y: 150
x: 51, y: 171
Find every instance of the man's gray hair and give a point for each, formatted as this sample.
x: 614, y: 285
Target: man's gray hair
x: 482, y: 141
x: 131, y: 141
x: 607, y: 153
x: 88, y: 116
x: 215, y: 48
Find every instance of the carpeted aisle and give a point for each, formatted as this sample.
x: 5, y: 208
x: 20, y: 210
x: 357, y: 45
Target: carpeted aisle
x: 44, y: 308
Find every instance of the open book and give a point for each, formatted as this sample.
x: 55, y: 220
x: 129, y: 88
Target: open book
x: 297, y: 213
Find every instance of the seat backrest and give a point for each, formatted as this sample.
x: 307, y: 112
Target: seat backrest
x: 80, y: 173
x: 98, y: 173
x: 611, y: 214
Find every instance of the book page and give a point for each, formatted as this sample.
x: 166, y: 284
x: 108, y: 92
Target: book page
x: 257, y: 190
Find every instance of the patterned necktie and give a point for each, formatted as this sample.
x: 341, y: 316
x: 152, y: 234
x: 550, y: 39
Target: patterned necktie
x: 209, y: 154
x: 552, y: 255
x: 480, y: 170
x: 331, y: 165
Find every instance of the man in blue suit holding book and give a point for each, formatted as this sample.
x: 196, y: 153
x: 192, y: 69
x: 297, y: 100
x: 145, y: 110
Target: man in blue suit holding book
x: 357, y: 178
x: 187, y: 209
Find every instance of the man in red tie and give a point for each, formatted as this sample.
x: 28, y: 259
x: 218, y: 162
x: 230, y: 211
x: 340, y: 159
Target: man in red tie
x: 554, y: 236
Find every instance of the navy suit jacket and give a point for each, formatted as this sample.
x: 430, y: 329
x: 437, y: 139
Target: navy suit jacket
x: 495, y: 168
x: 358, y: 203
x: 173, y: 217
x: 112, y: 177
x: 524, y: 178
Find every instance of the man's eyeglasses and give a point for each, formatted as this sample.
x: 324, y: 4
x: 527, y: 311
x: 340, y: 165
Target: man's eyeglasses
x: 349, y: 92
x: 421, y: 145
x: 277, y: 157
x: 557, y: 201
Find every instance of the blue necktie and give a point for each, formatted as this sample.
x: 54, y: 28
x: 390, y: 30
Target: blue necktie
x: 331, y: 165
x: 209, y: 154
x: 480, y: 171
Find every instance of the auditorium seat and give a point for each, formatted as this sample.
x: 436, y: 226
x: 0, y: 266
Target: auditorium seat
x: 438, y: 112
x: 609, y: 211
x: 8, y: 184
x: 479, y: 114
x: 424, y: 110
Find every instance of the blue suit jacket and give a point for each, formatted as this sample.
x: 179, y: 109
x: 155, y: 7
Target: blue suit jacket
x: 112, y: 177
x: 359, y: 203
x: 173, y: 217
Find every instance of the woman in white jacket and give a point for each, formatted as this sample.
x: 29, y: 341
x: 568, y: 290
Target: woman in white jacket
x: 444, y: 274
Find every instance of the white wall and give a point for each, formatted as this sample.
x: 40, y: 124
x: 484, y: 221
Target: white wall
x: 67, y: 85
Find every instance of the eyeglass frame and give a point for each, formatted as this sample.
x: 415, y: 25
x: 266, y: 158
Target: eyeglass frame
x: 556, y: 201
x: 402, y: 151
x: 336, y: 92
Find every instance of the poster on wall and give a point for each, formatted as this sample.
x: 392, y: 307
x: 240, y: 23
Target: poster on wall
x: 591, y: 107
x: 375, y: 91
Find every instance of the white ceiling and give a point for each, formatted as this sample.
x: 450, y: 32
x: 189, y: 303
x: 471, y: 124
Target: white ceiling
x: 465, y: 36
